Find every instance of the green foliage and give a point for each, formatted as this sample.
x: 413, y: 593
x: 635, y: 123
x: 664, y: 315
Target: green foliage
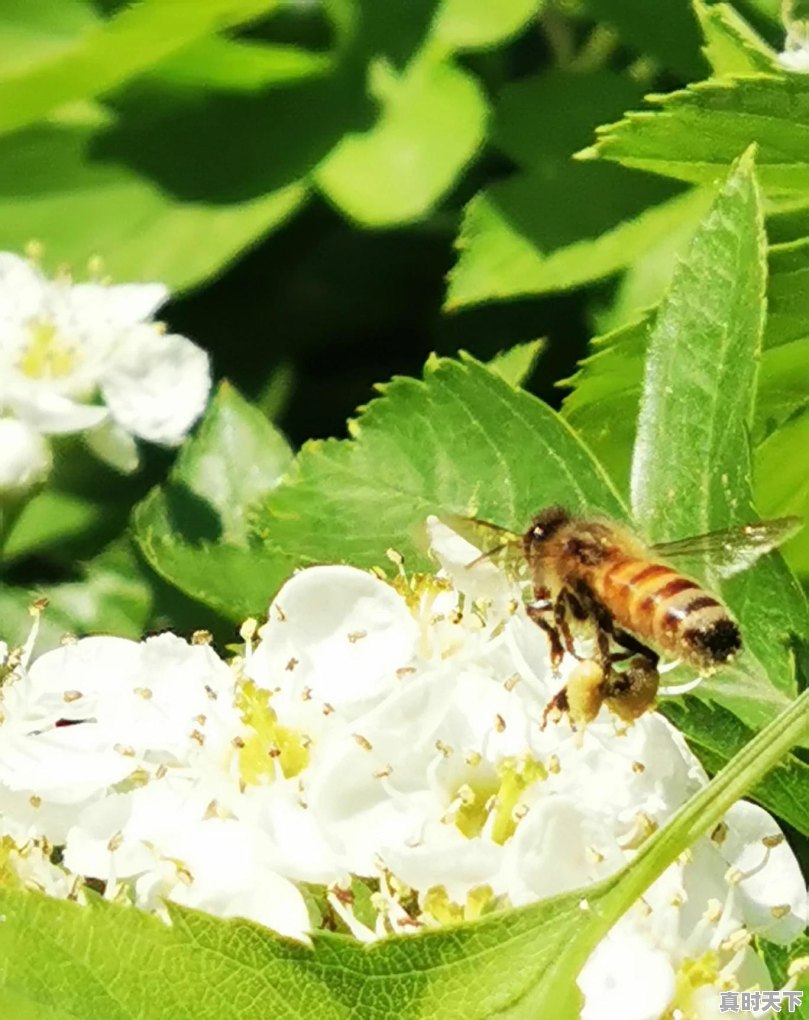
x: 193, y: 531
x: 696, y: 133
x: 380, y: 134
x: 435, y: 111
x: 731, y: 45
x: 673, y: 39
x: 462, y: 441
x: 697, y: 403
x: 477, y: 24
x: 115, y: 962
x: 53, y: 189
x: 558, y: 224
x: 103, y: 54
x: 517, y: 364
x: 141, y: 180
x: 111, y: 595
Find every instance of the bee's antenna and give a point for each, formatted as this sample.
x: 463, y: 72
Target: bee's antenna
x: 487, y: 555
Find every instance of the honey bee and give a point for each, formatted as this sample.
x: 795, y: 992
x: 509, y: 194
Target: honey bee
x: 597, y: 573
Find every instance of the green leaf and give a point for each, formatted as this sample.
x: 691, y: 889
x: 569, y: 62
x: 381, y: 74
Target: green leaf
x: 542, y: 119
x: 49, y: 519
x: 517, y: 364
x: 112, y: 596
x: 695, y: 134
x: 462, y: 441
x: 236, y: 457
x: 691, y: 469
x: 480, y: 24
x: 53, y: 189
x: 558, y: 224
x: 778, y: 958
x: 21, y: 1007
x: 34, y: 32
x: 234, y: 581
x: 106, y: 54
x: 602, y: 408
x: 118, y: 963
x: 524, y: 236
x: 782, y: 485
x: 432, y: 122
x: 788, y: 295
x: 603, y: 405
x: 731, y: 45
x: 238, y: 65
x: 667, y: 32
x: 193, y: 531
x: 700, y: 367
x: 781, y: 393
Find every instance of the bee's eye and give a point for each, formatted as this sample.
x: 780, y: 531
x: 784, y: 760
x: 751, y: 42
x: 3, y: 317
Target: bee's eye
x: 539, y: 531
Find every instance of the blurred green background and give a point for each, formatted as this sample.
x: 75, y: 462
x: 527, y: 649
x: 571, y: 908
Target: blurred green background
x: 333, y: 189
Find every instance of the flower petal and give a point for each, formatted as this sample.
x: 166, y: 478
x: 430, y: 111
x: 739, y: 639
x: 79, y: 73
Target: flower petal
x: 157, y: 385
x: 115, y: 446
x: 119, y: 305
x: 339, y: 632
x: 23, y: 287
x: 25, y: 457
x: 50, y: 411
x: 484, y: 579
x: 774, y: 897
x: 626, y: 977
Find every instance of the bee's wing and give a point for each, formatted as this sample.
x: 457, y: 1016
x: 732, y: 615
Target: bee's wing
x: 496, y: 543
x: 731, y: 550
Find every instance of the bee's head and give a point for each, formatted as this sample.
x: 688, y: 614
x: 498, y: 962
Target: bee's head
x: 546, y: 523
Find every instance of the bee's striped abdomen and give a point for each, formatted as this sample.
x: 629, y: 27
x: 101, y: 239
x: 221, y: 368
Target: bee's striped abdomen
x: 667, y: 609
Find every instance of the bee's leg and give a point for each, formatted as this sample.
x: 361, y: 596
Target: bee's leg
x: 605, y: 658
x: 536, y: 612
x: 576, y: 607
x: 556, y: 707
x: 634, y: 647
x: 560, y: 619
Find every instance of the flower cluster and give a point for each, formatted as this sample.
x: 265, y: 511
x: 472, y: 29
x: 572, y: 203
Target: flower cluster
x: 375, y: 761
x: 88, y: 357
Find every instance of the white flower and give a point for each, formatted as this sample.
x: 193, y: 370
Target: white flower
x: 335, y: 636
x: 91, y: 715
x: 391, y: 731
x: 77, y: 357
x: 25, y: 458
x: 627, y: 977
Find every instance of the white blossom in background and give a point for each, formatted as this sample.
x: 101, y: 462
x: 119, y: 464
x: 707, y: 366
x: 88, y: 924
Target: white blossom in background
x: 89, y: 357
x: 25, y: 458
x: 795, y: 56
x: 380, y: 741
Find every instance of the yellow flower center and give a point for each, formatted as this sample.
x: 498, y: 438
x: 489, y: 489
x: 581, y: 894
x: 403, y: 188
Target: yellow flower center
x: 439, y: 906
x: 47, y: 355
x: 691, y: 976
x: 501, y: 795
x: 476, y: 801
x: 270, y: 746
x: 516, y: 775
